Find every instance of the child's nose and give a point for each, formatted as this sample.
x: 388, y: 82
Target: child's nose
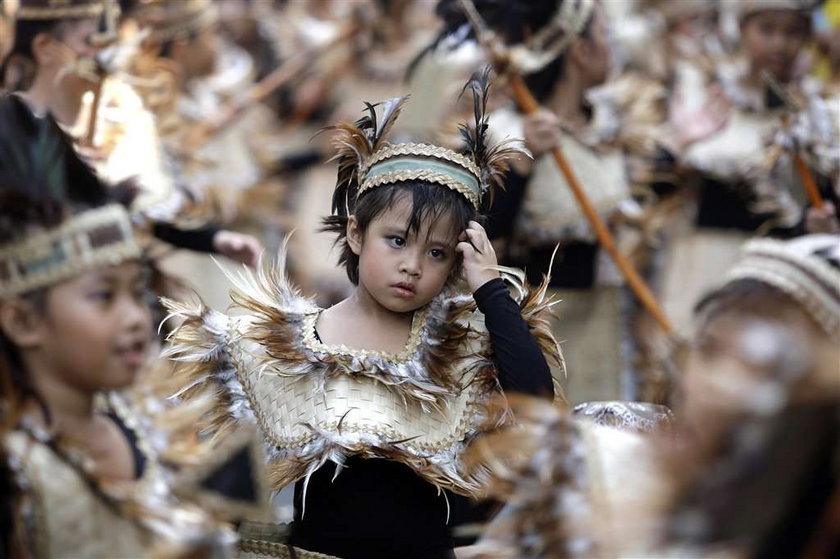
x: 411, y: 263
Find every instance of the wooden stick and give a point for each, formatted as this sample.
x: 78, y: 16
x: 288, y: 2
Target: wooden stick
x: 525, y: 99
x: 90, y: 134
x: 807, y: 180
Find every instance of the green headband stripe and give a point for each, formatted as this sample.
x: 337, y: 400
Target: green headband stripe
x: 397, y: 164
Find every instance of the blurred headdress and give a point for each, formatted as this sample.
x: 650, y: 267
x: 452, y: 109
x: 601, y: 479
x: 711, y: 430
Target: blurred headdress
x: 749, y: 7
x: 807, y: 269
x: 42, y: 182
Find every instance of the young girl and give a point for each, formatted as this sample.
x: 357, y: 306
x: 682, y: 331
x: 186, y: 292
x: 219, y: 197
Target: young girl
x: 367, y: 405
x: 80, y: 476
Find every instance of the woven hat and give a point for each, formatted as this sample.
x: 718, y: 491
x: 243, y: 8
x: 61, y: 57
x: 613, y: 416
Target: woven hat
x: 807, y: 269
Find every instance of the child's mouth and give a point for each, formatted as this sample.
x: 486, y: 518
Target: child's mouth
x: 403, y: 290
x: 132, y: 355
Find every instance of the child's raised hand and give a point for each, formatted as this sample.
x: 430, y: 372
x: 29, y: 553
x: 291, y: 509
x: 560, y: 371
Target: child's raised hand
x: 479, y: 257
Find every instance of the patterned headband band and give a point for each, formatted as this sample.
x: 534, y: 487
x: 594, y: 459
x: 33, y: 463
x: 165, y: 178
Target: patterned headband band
x: 795, y: 268
x: 93, y: 239
x: 424, y: 162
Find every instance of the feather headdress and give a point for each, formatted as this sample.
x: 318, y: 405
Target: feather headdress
x: 367, y: 159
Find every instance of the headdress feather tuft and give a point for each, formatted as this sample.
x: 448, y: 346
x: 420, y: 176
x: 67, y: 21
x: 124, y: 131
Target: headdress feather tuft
x: 493, y: 161
x: 355, y: 143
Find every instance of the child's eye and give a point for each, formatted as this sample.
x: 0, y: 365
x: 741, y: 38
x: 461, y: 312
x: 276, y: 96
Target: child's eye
x: 396, y: 242
x: 437, y: 254
x: 102, y: 295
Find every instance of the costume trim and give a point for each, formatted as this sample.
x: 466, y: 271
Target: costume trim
x: 418, y: 328
x: 92, y: 239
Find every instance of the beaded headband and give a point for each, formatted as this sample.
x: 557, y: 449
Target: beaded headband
x: 92, y: 239
x: 367, y: 160
x: 798, y: 268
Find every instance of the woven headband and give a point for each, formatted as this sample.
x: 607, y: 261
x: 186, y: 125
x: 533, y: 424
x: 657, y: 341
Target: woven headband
x: 93, y: 239
x: 435, y: 164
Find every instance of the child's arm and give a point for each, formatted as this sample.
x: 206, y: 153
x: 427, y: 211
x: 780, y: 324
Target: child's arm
x: 521, y: 364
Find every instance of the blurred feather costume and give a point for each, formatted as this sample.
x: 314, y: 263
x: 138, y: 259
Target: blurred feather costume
x: 317, y: 403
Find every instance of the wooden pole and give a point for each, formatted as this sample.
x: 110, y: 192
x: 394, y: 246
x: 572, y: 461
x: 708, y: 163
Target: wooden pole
x: 807, y: 180
x: 526, y: 101
x: 90, y: 134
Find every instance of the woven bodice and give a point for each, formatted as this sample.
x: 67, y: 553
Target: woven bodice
x: 313, y: 399
x: 66, y: 518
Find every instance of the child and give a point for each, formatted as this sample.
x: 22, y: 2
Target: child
x: 79, y: 474
x: 368, y: 405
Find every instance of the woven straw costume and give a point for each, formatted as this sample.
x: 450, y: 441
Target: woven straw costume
x: 316, y: 403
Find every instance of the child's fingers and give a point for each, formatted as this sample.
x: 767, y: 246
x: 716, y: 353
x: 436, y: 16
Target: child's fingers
x: 466, y: 249
x: 479, y: 240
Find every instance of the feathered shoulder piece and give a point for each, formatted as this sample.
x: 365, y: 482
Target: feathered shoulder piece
x: 367, y: 159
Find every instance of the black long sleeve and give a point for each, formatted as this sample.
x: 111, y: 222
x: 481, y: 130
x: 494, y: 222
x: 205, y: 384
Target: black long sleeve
x: 522, y: 366
x: 199, y: 239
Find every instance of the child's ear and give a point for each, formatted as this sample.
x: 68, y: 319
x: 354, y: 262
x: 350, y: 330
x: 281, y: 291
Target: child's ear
x: 354, y: 235
x: 22, y: 323
x: 43, y: 50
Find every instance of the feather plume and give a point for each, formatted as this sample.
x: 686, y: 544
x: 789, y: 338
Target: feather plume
x: 493, y: 161
x: 355, y: 143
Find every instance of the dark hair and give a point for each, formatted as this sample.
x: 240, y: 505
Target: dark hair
x: 429, y: 202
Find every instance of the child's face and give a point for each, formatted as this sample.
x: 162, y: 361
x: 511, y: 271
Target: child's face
x: 96, y: 329
x: 403, y: 273
x: 773, y: 39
